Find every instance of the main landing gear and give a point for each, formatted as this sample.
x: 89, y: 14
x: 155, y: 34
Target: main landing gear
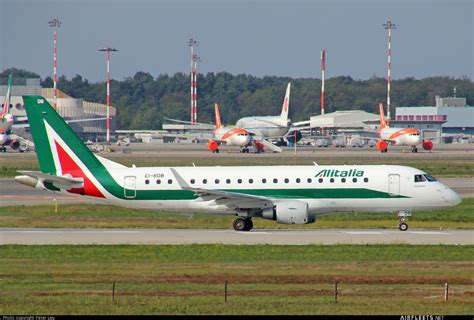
x: 414, y: 149
x: 243, y: 224
x: 245, y: 150
x: 402, y: 216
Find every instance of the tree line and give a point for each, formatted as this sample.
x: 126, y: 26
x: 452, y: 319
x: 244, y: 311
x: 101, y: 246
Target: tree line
x: 142, y: 101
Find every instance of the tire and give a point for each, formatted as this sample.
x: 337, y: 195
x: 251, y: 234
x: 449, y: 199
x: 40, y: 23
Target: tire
x: 240, y: 224
x: 249, y: 224
x: 403, y: 226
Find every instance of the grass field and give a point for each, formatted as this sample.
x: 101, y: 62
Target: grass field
x: 380, y: 279
x: 103, y: 216
x: 437, y: 167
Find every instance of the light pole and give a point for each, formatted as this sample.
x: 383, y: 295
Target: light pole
x: 194, y: 60
x: 108, y: 49
x: 55, y: 23
x: 389, y: 25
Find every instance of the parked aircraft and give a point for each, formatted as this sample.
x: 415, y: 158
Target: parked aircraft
x: 286, y: 194
x: 7, y: 138
x: 399, y: 136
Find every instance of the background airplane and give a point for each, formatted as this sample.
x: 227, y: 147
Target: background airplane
x: 7, y: 138
x: 399, y: 136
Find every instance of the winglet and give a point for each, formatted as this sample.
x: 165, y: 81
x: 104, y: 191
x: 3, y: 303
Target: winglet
x: 218, y: 116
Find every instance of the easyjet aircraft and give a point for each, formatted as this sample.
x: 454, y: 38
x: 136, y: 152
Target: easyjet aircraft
x: 399, y: 136
x: 285, y: 194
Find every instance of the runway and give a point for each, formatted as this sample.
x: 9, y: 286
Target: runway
x: 279, y: 237
x: 13, y: 193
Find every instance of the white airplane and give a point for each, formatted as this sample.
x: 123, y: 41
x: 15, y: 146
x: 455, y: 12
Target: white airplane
x: 7, y: 138
x: 285, y: 194
x: 269, y: 126
x: 399, y: 136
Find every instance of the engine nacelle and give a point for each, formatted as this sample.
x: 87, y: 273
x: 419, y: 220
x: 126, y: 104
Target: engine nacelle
x: 260, y: 146
x: 292, y: 135
x: 289, y: 212
x: 212, y: 145
x: 427, y: 144
x: 15, y: 144
x: 381, y: 145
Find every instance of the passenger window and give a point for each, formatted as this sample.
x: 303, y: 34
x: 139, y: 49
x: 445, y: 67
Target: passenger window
x: 264, y: 180
x: 309, y: 180
x: 331, y: 180
x: 298, y: 180
x: 158, y: 181
x: 354, y: 180
x: 275, y: 180
x: 170, y: 181
x: 147, y: 181
x: 217, y: 181
x: 239, y: 180
x: 287, y: 180
x: 343, y: 180
x: 320, y: 180
x: 419, y: 178
x: 250, y: 180
x: 366, y: 179
x: 193, y: 181
x: 228, y: 181
x: 204, y: 181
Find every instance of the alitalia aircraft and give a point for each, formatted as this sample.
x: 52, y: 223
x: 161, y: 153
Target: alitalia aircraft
x: 285, y: 194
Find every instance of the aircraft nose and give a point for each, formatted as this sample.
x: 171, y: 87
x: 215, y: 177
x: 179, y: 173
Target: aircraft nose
x: 455, y: 198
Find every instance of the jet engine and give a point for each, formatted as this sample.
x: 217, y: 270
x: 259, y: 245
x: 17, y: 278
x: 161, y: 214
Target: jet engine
x: 15, y: 144
x: 259, y: 146
x: 290, y: 137
x: 213, y: 146
x: 289, y: 212
x: 381, y: 145
x: 427, y: 144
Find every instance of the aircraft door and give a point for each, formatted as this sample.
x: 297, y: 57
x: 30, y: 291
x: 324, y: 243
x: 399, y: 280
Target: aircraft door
x: 130, y: 187
x: 394, y: 184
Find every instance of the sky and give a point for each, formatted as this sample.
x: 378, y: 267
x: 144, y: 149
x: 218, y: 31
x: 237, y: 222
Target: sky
x: 259, y: 37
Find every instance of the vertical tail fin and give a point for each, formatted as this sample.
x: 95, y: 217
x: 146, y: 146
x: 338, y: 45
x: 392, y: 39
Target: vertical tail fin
x: 58, y: 147
x: 383, y: 123
x: 286, y: 103
x: 218, y: 116
x: 6, y: 108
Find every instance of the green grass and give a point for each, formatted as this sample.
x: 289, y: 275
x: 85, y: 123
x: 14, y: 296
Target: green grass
x: 436, y: 167
x: 269, y: 279
x: 103, y: 216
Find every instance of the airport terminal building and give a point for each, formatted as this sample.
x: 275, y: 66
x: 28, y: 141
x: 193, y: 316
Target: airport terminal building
x: 450, y: 115
x: 68, y: 107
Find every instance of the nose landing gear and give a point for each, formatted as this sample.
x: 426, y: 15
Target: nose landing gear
x: 414, y: 149
x: 402, y: 216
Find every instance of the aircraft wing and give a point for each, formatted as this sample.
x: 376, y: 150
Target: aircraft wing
x: 235, y: 200
x: 63, y: 182
x: 188, y: 122
x: 270, y: 122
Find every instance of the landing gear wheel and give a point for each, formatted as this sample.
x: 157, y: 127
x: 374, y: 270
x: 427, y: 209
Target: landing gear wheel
x: 217, y: 150
x: 414, y: 149
x: 403, y: 226
x: 249, y: 224
x: 239, y: 224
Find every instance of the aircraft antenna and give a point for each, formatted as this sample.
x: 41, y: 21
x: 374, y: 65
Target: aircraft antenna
x: 389, y: 25
x: 55, y: 23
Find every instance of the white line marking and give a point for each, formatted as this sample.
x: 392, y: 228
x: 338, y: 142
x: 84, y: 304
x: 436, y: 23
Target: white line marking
x: 363, y: 232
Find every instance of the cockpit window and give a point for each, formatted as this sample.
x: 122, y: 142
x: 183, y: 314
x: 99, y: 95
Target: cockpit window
x: 419, y: 178
x: 429, y: 178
